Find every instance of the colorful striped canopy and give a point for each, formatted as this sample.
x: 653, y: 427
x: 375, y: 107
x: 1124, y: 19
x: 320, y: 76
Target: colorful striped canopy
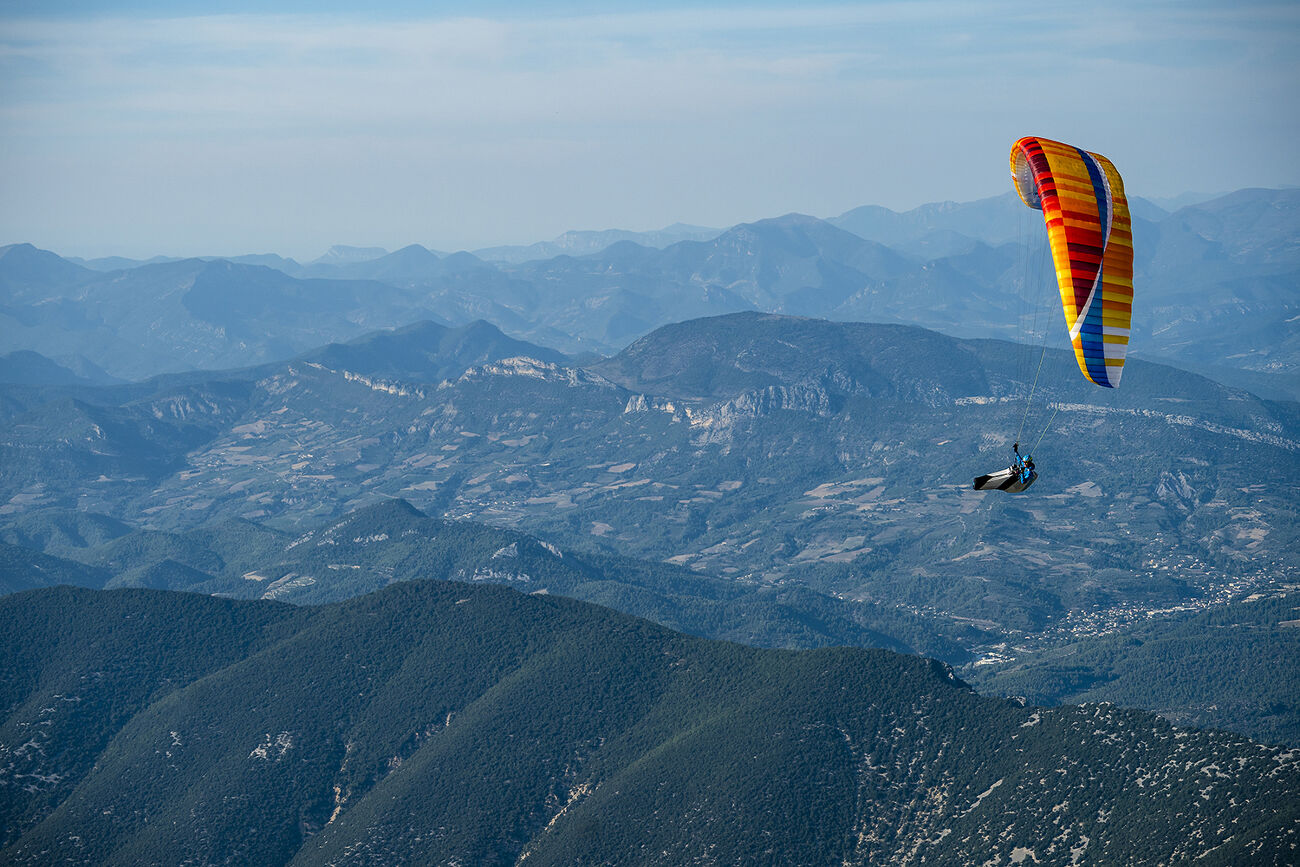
x: 1082, y: 199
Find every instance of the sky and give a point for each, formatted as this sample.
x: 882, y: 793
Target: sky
x: 177, y: 128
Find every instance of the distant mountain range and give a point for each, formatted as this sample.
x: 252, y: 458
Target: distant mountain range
x: 1216, y: 287
x: 450, y: 723
x: 585, y: 243
x: 822, y: 469
x: 724, y: 429
x: 186, y: 314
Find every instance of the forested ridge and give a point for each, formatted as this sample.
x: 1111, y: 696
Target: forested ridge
x: 437, y: 721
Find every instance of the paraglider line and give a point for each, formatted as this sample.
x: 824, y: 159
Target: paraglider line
x: 1045, y: 428
x: 1029, y: 400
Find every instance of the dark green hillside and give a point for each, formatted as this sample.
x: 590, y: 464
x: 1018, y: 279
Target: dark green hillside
x: 23, y: 569
x: 439, y: 722
x: 1236, y: 667
x: 78, y: 665
x: 57, y: 531
x: 230, y: 548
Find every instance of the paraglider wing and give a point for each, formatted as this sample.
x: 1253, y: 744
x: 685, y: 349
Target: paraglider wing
x: 1082, y: 199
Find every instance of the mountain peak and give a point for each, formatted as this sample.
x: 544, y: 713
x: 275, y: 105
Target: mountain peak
x: 426, y: 351
x: 463, y: 261
x: 392, y: 507
x: 20, y: 249
x: 26, y: 269
x: 342, y: 254
x: 414, y: 251
x: 425, y: 329
x: 28, y: 367
x: 794, y: 218
x: 726, y: 356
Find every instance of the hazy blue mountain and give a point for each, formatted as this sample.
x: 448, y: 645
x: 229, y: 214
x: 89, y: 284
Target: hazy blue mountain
x: 1219, y: 285
x: 470, y: 724
x: 1183, y: 200
x: 119, y: 263
x: 599, y: 301
x: 29, y: 275
x: 1253, y: 227
x: 268, y: 260
x: 410, y: 266
x: 85, y: 369
x: 343, y: 254
x: 792, y: 264
x: 201, y: 314
x: 585, y: 243
x: 995, y: 220
x: 1216, y: 278
x: 1141, y: 208
x: 426, y: 352
x: 25, y: 367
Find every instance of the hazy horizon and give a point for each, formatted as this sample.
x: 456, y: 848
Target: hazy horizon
x: 1168, y: 203
x: 151, y: 129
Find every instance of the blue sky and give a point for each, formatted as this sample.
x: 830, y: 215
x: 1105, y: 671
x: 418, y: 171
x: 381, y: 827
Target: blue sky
x: 180, y: 128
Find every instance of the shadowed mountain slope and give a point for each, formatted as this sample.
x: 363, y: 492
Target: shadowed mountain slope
x: 445, y: 722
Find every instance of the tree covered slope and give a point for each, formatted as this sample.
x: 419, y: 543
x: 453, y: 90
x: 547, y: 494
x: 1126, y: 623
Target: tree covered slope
x: 435, y: 722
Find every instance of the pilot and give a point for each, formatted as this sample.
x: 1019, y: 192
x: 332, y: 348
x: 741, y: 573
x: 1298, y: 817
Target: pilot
x: 1023, y: 466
